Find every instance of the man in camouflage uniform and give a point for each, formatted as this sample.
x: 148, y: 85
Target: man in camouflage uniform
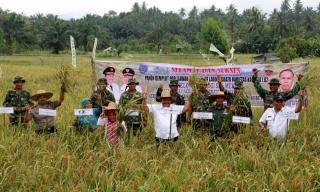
x: 222, y: 117
x: 238, y: 102
x: 102, y: 96
x: 176, y: 99
x: 134, y: 119
x: 274, y: 84
x: 17, y: 98
x: 200, y: 102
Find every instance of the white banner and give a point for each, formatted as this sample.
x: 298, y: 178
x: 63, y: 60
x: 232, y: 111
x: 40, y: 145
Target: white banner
x: 202, y: 115
x: 94, y: 48
x: 239, y: 119
x: 73, y: 52
x: 83, y: 112
x: 47, y: 112
x: 8, y: 110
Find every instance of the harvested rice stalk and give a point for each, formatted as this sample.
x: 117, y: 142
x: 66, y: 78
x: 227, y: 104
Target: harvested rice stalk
x: 64, y: 75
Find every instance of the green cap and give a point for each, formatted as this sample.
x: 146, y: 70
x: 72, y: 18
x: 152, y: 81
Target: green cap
x: 274, y: 81
x: 174, y: 83
x: 238, y: 84
x: 102, y: 81
x: 134, y: 81
x: 19, y: 79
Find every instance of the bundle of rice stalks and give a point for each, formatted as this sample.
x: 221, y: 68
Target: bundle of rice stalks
x: 310, y: 81
x: 66, y: 77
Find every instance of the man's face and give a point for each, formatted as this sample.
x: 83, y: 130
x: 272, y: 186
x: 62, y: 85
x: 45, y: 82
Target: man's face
x: 109, y: 76
x: 286, y: 80
x: 42, y: 100
x: 173, y: 89
x: 127, y: 77
x: 88, y: 105
x: 166, y: 101
x: 102, y: 86
x: 18, y: 85
x: 111, y: 115
x: 274, y: 87
x: 278, y: 104
x: 219, y: 101
x: 132, y: 86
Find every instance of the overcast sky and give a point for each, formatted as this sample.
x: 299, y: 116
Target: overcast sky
x: 77, y: 8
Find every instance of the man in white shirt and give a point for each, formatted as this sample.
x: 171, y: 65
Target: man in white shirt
x: 109, y: 73
x: 165, y: 118
x: 276, y: 119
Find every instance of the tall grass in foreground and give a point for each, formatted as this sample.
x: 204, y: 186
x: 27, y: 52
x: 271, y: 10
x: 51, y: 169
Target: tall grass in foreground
x: 68, y: 161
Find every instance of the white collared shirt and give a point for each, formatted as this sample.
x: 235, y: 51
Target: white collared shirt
x: 115, y: 90
x: 162, y: 120
x: 277, y: 123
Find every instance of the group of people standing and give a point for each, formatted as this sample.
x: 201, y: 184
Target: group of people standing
x: 127, y: 110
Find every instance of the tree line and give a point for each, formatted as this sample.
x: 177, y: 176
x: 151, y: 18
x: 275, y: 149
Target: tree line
x: 292, y: 27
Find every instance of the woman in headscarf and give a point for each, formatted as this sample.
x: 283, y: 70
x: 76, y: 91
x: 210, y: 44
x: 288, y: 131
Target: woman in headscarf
x: 87, y: 122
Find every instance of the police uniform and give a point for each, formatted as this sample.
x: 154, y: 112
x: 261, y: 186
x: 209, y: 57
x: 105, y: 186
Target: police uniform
x: 112, y: 87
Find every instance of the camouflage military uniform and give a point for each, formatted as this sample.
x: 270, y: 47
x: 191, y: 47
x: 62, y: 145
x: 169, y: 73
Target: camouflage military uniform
x: 17, y: 99
x: 106, y: 97
x: 267, y: 96
x: 201, y: 102
x: 239, y: 106
x: 135, y: 123
x: 176, y: 99
x: 222, y: 119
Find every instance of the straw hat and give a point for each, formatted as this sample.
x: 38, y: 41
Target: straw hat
x: 219, y: 94
x: 111, y: 106
x: 165, y: 94
x: 41, y: 93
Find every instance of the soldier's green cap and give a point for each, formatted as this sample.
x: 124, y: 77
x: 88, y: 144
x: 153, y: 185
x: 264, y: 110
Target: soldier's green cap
x: 102, y: 81
x: 274, y: 81
x: 133, y: 81
x: 278, y: 97
x: 19, y: 79
x: 238, y: 84
x: 174, y: 83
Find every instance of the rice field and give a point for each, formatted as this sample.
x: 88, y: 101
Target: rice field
x: 67, y: 161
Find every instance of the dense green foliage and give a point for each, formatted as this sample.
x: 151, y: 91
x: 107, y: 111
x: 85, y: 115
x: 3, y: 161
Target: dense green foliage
x: 146, y: 29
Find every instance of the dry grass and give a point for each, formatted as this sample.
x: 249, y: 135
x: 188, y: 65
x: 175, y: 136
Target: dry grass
x: 67, y: 161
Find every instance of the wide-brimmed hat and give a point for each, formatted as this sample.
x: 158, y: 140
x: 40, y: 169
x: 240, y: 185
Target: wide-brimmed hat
x: 19, y: 79
x: 274, y: 81
x: 134, y: 81
x: 218, y: 94
x: 165, y: 94
x: 174, y: 83
x: 41, y: 93
x: 111, y: 106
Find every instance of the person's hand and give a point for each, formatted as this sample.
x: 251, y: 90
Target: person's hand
x: 98, y: 96
x: 301, y: 93
x: 300, y: 76
x: 27, y: 107
x: 263, y: 129
x: 63, y: 88
x: 161, y: 86
x: 218, y: 78
x: 255, y: 72
x: 145, y: 95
